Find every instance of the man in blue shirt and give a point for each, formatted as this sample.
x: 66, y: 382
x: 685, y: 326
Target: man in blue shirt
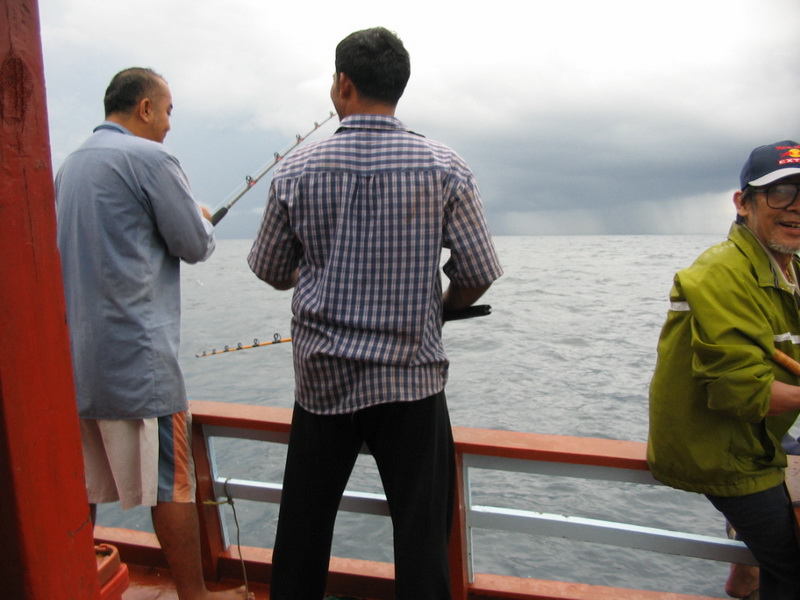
x: 126, y: 219
x: 356, y: 224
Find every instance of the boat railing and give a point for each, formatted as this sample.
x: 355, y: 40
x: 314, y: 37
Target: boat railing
x: 573, y: 527
x: 478, y: 451
x: 479, y: 516
x: 488, y: 450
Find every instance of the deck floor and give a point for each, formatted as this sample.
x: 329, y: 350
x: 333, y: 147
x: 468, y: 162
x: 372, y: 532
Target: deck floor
x: 148, y: 583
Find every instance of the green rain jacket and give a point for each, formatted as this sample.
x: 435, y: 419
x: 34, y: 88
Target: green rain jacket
x: 710, y: 392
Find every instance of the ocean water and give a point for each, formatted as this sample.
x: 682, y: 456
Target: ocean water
x: 568, y: 349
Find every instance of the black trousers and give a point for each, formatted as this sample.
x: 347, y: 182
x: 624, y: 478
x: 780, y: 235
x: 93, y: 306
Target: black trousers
x: 765, y: 522
x: 412, y: 443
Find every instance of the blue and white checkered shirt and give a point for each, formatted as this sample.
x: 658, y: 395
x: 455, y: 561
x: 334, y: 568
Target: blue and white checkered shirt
x: 364, y: 215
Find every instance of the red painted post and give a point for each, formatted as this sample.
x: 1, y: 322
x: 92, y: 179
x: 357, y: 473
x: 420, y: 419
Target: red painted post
x: 48, y: 547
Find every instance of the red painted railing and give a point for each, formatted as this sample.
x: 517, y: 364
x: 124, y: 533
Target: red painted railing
x: 369, y: 579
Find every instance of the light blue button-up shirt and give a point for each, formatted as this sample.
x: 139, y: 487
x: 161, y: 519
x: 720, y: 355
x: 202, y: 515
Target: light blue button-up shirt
x: 126, y: 218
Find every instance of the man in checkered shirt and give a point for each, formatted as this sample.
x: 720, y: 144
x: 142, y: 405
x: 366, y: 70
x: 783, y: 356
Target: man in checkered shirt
x: 356, y: 224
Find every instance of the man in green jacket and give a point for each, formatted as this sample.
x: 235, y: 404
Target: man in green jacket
x: 719, y: 403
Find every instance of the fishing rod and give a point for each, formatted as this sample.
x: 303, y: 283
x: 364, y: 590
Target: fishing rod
x: 276, y: 339
x: 250, y: 181
x: 787, y: 362
x: 469, y: 312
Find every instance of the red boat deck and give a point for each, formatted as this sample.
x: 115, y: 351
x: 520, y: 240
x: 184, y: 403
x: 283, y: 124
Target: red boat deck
x: 149, y: 583
x: 152, y: 583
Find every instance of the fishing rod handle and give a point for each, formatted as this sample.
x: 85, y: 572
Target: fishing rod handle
x: 478, y: 310
x: 217, y: 216
x: 787, y: 362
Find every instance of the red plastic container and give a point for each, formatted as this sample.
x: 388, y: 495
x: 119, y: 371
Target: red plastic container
x: 111, y: 572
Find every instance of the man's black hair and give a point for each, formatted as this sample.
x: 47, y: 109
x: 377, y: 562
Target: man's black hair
x: 376, y: 62
x: 128, y: 87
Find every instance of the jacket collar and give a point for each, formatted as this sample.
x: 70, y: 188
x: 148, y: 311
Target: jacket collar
x: 758, y: 255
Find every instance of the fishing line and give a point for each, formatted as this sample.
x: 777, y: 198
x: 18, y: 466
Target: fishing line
x: 469, y: 312
x: 250, y: 181
x: 229, y: 500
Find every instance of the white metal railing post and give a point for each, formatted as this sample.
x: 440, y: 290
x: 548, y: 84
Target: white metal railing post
x: 467, y: 520
x: 212, y: 461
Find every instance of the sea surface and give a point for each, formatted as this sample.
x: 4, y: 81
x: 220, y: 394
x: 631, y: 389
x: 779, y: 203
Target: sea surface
x: 568, y: 349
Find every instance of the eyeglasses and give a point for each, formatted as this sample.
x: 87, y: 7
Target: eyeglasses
x: 780, y: 196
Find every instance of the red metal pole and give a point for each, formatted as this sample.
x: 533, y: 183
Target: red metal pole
x: 48, y: 547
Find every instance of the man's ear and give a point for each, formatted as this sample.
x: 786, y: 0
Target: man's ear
x: 742, y: 203
x: 346, y: 87
x: 144, y: 110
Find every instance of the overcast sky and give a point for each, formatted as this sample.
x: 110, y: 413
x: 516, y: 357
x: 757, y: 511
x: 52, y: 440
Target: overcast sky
x: 577, y: 117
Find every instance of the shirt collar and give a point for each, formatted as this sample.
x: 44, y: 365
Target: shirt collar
x: 112, y: 126
x: 373, y: 122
